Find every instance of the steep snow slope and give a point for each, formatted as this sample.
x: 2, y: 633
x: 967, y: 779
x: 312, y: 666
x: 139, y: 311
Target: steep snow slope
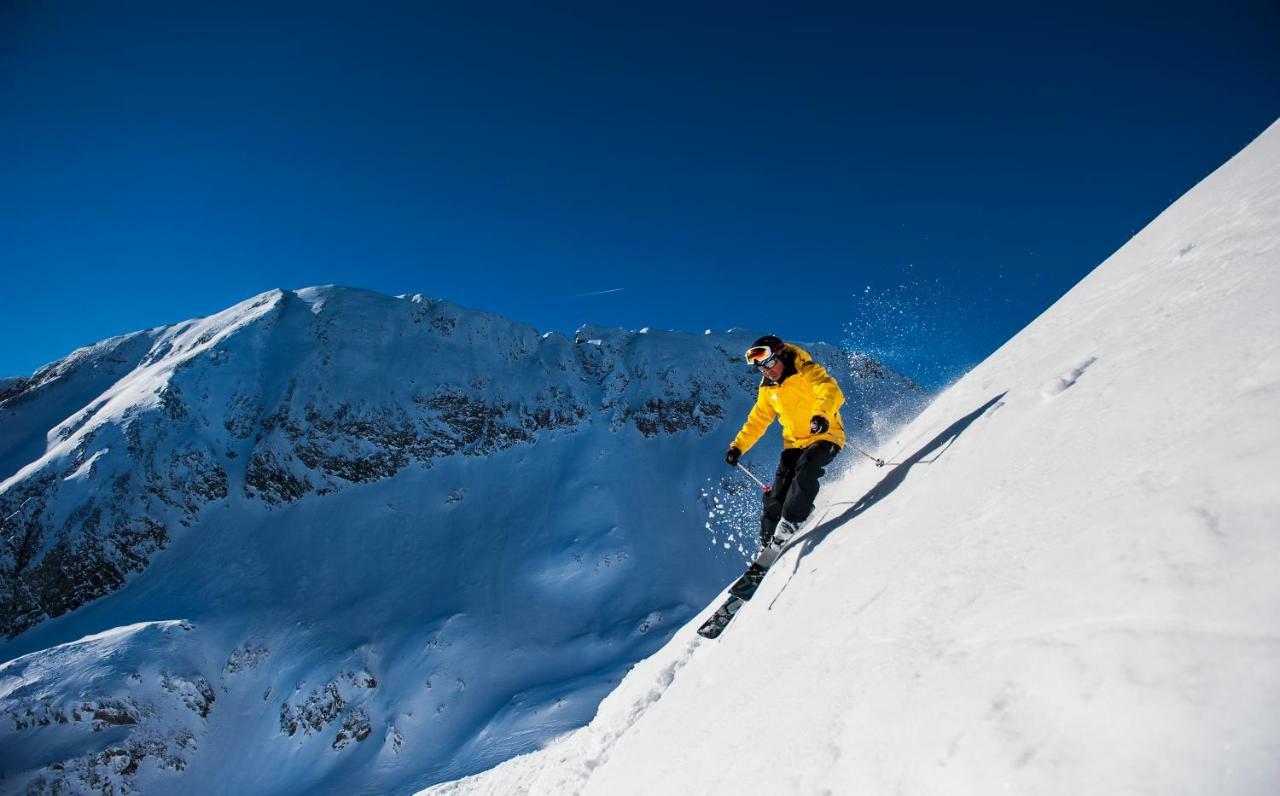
x: 330, y: 540
x: 1069, y: 584
x: 53, y: 393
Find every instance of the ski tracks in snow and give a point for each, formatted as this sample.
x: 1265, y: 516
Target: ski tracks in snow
x: 607, y: 737
x: 1058, y: 385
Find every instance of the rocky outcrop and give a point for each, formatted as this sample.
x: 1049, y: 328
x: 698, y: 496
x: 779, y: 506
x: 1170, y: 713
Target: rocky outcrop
x: 336, y: 700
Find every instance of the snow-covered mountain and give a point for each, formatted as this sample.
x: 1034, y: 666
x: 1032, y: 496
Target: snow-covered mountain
x: 329, y: 540
x: 1069, y: 583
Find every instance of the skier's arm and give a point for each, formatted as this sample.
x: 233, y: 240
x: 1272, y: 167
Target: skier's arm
x: 825, y: 389
x: 758, y: 421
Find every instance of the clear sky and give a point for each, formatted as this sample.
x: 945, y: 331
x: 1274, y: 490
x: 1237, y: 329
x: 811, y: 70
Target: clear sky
x: 921, y: 183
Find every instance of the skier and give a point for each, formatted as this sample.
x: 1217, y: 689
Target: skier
x: 806, y: 400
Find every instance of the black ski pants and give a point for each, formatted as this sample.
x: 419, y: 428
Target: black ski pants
x: 795, y: 486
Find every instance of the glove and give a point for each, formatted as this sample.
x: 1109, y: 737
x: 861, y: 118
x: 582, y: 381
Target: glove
x: 731, y: 458
x: 818, y: 425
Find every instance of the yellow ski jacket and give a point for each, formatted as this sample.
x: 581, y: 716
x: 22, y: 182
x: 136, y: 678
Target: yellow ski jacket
x: 805, y: 389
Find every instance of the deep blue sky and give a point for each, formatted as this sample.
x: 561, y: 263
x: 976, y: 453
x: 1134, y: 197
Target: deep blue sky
x: 934, y: 177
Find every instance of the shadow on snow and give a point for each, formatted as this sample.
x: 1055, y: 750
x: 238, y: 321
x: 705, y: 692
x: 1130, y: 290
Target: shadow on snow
x: 895, y: 478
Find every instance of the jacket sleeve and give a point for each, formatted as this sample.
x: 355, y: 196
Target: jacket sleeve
x: 825, y: 388
x: 758, y: 421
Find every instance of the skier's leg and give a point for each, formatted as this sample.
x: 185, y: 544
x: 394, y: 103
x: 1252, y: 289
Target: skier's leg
x: 775, y: 497
x: 798, y: 501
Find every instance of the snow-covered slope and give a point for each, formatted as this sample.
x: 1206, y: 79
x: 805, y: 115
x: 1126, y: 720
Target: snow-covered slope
x: 331, y: 540
x: 1070, y: 584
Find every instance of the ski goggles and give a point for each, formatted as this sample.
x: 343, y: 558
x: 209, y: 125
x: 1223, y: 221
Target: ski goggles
x: 761, y: 357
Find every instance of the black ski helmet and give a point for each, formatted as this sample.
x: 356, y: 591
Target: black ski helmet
x: 774, y: 343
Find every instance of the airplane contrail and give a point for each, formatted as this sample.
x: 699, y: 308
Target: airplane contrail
x: 596, y: 293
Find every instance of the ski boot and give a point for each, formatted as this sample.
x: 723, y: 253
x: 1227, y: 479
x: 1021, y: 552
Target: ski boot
x: 783, y: 533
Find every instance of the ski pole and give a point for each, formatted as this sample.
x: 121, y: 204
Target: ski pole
x: 767, y: 489
x: 879, y: 462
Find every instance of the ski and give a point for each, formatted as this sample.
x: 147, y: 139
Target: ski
x: 743, y: 589
x: 716, y: 624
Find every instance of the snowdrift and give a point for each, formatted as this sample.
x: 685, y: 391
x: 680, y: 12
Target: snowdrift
x: 1066, y: 584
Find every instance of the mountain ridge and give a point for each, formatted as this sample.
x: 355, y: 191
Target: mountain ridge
x: 363, y: 489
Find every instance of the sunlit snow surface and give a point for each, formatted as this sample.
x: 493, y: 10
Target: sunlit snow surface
x: 1069, y: 587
